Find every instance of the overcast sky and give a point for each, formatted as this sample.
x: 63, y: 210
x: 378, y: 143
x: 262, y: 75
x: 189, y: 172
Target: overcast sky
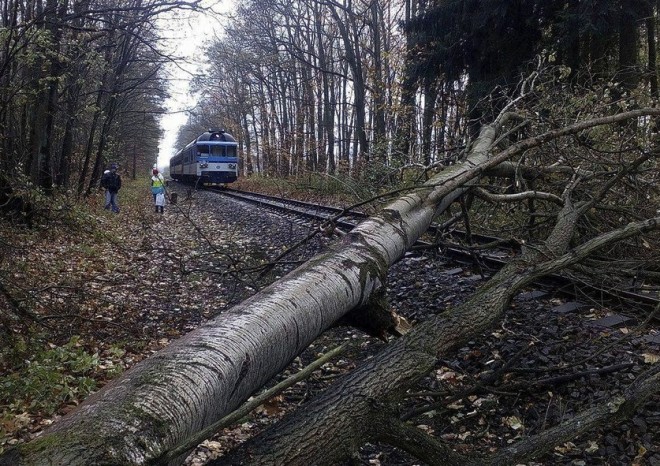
x: 186, y: 36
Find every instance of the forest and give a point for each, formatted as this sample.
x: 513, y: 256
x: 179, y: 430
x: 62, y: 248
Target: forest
x: 533, y: 121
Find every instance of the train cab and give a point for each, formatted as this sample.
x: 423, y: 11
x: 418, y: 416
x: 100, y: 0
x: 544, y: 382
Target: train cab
x: 212, y: 158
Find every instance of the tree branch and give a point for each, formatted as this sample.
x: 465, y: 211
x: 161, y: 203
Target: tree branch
x: 517, y: 197
x: 611, y: 411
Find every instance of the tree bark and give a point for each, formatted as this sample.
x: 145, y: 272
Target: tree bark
x: 652, y: 58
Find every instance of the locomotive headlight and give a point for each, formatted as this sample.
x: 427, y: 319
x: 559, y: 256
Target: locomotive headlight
x: 203, y: 165
x: 231, y: 166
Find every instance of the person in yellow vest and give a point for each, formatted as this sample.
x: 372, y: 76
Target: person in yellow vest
x: 158, y: 190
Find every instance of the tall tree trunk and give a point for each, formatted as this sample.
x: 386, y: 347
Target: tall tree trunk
x: 652, y: 55
x: 39, y: 156
x: 329, y: 106
x: 97, y: 169
x: 74, y: 89
x: 430, y: 98
x: 248, y: 168
x: 378, y: 86
x: 354, y: 59
x: 571, y: 42
x: 101, y: 99
x: 628, y: 41
x: 89, y: 147
x: 406, y: 115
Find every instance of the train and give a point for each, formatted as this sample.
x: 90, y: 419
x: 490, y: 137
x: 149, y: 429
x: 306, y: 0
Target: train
x: 211, y: 158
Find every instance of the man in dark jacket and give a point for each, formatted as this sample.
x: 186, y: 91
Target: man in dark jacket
x: 111, y: 181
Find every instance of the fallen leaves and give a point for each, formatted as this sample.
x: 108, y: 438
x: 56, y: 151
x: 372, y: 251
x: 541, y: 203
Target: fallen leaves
x: 513, y: 422
x: 651, y: 358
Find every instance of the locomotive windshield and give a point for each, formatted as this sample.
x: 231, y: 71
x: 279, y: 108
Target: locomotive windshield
x: 219, y: 150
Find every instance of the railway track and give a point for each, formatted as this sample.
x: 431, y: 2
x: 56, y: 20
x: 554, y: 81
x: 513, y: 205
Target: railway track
x: 485, y: 263
x: 343, y: 219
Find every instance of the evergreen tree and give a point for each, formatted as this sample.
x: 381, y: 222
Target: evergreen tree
x: 484, y: 43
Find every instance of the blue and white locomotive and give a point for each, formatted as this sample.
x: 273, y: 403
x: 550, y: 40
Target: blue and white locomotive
x: 211, y: 158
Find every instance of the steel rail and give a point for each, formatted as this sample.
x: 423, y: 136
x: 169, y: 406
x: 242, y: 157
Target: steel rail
x: 346, y: 220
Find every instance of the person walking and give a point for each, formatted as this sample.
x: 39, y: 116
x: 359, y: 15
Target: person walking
x: 111, y: 181
x: 158, y: 190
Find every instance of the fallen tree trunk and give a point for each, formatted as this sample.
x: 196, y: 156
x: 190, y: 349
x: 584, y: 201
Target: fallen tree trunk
x: 209, y: 372
x: 361, y: 407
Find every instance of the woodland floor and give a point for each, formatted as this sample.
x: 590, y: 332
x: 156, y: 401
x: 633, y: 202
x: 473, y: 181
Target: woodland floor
x: 125, y: 287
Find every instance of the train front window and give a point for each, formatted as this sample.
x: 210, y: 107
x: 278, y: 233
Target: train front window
x: 217, y: 150
x: 231, y: 151
x: 203, y: 150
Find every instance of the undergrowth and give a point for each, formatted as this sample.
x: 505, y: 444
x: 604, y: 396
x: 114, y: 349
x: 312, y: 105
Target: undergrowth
x: 41, y: 379
x: 46, y: 366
